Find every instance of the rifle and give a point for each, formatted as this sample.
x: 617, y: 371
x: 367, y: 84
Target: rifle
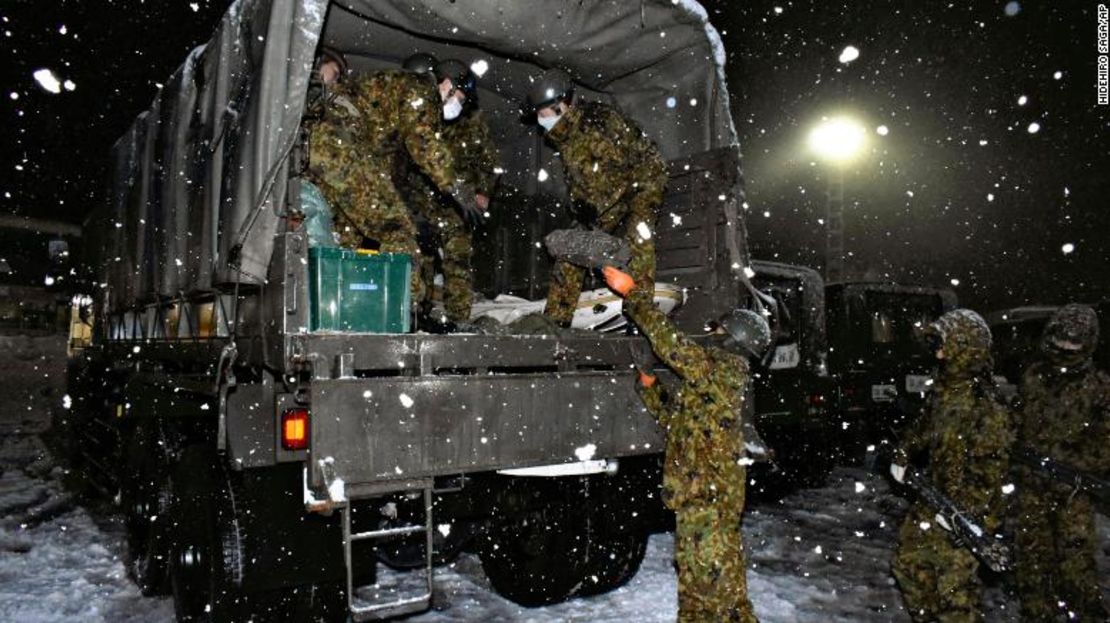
x: 988, y: 548
x: 1094, y: 487
x: 589, y: 248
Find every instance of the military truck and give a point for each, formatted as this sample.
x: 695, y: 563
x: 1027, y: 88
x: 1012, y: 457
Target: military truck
x: 878, y: 358
x: 793, y: 390
x: 264, y: 468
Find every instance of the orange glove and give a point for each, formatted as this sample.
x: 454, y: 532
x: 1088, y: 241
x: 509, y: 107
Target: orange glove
x: 618, y: 280
x: 647, y: 380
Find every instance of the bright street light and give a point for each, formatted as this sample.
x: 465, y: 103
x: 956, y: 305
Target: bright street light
x: 838, y: 140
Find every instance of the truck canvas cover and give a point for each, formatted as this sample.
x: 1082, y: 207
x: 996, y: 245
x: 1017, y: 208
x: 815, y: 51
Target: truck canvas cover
x: 201, y: 177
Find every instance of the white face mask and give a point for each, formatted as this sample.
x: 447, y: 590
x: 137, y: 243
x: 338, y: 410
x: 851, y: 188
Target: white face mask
x: 548, y: 122
x: 452, y: 108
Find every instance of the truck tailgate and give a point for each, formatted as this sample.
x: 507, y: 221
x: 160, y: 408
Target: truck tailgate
x: 373, y: 430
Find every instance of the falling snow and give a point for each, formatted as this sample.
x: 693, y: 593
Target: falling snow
x: 849, y: 54
x: 48, y: 81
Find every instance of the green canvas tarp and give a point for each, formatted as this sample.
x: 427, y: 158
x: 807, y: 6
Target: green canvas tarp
x: 202, y: 176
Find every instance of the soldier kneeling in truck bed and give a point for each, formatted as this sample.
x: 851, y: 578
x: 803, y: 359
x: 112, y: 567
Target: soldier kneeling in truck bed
x: 615, y: 175
x: 704, y: 472
x: 358, y: 131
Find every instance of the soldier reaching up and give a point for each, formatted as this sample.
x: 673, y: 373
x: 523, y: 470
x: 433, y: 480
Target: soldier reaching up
x: 704, y: 472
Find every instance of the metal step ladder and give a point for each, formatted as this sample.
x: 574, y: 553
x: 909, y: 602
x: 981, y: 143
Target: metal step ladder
x: 361, y: 610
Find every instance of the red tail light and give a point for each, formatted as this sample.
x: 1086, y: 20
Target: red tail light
x: 294, y: 429
x: 816, y: 400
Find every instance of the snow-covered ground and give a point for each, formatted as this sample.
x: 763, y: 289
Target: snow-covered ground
x: 818, y: 555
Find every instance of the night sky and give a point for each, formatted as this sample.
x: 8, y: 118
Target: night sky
x: 959, y: 188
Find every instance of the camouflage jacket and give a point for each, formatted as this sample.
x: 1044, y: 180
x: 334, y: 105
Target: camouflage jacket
x: 378, y: 116
x: 966, y: 431
x: 1065, y: 415
x: 606, y: 156
x: 476, y: 155
x: 704, y: 459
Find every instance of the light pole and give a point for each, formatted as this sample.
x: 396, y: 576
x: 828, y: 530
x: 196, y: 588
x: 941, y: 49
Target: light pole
x: 836, y: 141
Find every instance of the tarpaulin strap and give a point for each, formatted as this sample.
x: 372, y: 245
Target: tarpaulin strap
x: 234, y: 254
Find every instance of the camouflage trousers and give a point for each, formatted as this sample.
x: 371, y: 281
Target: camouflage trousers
x: 939, y: 580
x: 622, y: 220
x: 712, y: 574
x: 452, y: 238
x: 1056, y: 542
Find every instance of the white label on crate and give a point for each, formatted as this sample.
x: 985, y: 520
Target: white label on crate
x: 364, y: 286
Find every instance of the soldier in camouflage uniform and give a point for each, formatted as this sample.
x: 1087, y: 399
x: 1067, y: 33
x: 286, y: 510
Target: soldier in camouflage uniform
x: 966, y: 434
x: 1065, y: 416
x: 356, y: 133
x: 615, y: 175
x: 704, y: 473
x: 476, y: 161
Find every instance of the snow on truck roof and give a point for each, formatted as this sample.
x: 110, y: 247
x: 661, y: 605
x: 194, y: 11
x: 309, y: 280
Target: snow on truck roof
x: 209, y: 157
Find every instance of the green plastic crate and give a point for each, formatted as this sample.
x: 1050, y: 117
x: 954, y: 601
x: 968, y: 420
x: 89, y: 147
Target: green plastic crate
x: 359, y: 293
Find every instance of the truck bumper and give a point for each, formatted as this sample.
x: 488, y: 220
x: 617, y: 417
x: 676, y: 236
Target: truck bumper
x: 372, y: 433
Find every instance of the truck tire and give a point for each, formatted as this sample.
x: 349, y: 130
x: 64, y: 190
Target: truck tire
x: 207, y: 557
x: 613, y: 562
x: 571, y: 547
x: 145, y: 498
x: 618, y: 536
x: 536, y: 560
x: 319, y: 603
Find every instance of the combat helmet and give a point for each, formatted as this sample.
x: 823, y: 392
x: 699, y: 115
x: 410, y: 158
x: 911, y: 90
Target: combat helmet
x: 1071, y: 335
x: 460, y: 76
x: 966, y: 339
x: 552, y: 86
x: 331, y: 54
x: 748, y: 332
x: 421, y: 63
